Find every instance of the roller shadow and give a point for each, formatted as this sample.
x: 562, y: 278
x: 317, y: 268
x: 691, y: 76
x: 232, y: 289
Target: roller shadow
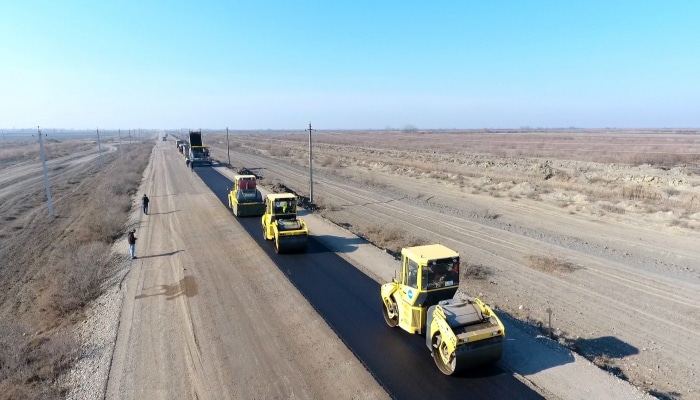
x: 340, y: 244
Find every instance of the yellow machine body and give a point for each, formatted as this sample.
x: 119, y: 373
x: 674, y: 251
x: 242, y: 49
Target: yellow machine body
x: 280, y: 223
x: 244, y: 199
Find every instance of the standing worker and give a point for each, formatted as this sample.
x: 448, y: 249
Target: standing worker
x: 144, y: 202
x: 192, y: 165
x: 131, y: 239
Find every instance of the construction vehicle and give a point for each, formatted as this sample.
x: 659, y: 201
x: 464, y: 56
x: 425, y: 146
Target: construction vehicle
x: 460, y: 334
x: 280, y: 223
x: 245, y: 199
x: 185, y: 150
x: 198, y: 154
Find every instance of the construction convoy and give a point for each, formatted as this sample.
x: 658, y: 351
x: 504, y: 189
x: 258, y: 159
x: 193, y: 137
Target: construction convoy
x: 460, y: 333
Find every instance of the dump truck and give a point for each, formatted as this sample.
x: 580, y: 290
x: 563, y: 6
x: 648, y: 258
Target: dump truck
x: 280, y: 223
x: 198, y: 153
x: 460, y: 333
x: 245, y: 199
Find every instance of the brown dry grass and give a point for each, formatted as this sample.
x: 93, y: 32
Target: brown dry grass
x: 78, y: 275
x: 59, y: 266
x: 654, y: 147
x: 551, y: 264
x: 476, y: 271
x: 492, y: 163
x: 29, y: 150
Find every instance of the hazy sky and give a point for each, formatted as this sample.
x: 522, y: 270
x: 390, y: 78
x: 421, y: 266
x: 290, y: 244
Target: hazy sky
x: 349, y: 64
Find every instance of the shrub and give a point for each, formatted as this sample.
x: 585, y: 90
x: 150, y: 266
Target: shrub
x: 640, y: 192
x: 78, y: 276
x: 30, y: 366
x: 476, y: 271
x: 550, y: 264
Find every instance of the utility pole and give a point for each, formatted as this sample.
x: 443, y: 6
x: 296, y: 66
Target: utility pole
x: 46, y: 175
x: 227, y: 149
x: 311, y: 168
x: 121, y: 153
x: 99, y: 148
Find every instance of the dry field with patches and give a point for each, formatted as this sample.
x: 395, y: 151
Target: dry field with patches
x: 601, y: 226
x: 53, y: 267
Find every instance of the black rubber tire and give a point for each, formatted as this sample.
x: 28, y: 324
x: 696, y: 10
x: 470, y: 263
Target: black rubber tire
x: 445, y: 368
x: 391, y: 321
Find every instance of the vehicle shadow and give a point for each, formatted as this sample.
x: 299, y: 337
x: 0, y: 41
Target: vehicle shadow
x: 186, y: 286
x: 558, y: 350
x: 162, y: 254
x: 339, y: 244
x: 526, y: 351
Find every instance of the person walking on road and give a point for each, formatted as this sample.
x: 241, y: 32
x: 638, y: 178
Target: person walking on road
x: 131, y: 239
x: 144, y: 202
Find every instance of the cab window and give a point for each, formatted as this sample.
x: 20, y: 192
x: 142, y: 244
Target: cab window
x: 412, y: 279
x: 443, y: 273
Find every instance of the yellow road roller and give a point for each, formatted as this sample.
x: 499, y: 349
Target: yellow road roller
x: 280, y: 223
x: 460, y: 333
x: 244, y: 199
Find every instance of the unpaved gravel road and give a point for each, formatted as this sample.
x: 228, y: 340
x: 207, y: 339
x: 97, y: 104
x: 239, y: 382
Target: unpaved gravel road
x: 206, y: 314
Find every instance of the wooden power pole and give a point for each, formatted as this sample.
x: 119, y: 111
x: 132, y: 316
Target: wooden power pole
x: 46, y: 175
x: 311, y: 168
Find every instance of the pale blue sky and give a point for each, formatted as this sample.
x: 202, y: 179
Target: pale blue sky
x: 350, y: 64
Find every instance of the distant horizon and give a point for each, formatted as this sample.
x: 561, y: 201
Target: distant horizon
x: 404, y: 130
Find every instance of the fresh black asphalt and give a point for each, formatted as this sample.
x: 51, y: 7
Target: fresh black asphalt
x: 350, y: 303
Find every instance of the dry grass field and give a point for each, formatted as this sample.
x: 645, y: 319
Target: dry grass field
x: 599, y: 225
x: 54, y: 266
x: 649, y: 174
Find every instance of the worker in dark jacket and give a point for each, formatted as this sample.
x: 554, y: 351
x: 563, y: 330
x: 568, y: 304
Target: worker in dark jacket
x: 131, y: 239
x: 144, y: 202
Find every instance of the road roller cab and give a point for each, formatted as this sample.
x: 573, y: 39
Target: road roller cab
x: 459, y: 333
x: 280, y: 223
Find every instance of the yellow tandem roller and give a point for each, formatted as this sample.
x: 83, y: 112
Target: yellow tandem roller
x: 244, y: 199
x: 460, y: 334
x: 280, y: 223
